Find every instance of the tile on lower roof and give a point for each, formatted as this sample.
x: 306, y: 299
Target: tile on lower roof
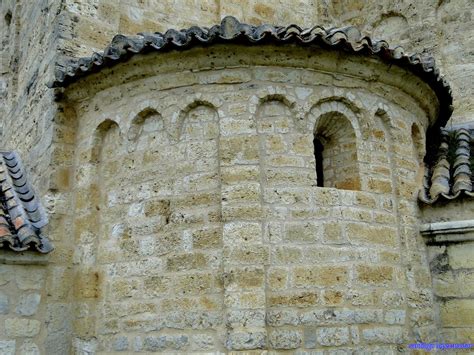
x: 21, y: 215
x: 451, y: 176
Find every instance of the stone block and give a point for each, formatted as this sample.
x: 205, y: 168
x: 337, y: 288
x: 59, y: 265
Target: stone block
x: 240, y: 173
x: 277, y: 278
x: 192, y: 284
x: 30, y: 278
x: 245, y: 318
x: 287, y: 255
x: 459, y: 284
x: 247, y: 254
x: 246, y: 340
x: 293, y: 299
x: 366, y: 234
x: 21, y: 327
x: 302, y: 232
x: 28, y: 304
x: 332, y: 297
x: 87, y: 284
x: 280, y: 317
x: 203, y: 342
x: 336, y: 336
x: 239, y: 150
x: 29, y: 348
x: 250, y: 300
x: 374, y: 275
x: 461, y: 256
x: 206, y: 237
x: 120, y: 344
x: 187, y: 261
x: 311, y: 276
x: 4, y: 303
x: 244, y: 278
x: 333, y: 233
x: 458, y: 313
x: 384, y: 335
x: 285, y: 339
x: 242, y: 193
x: 7, y: 347
x: 396, y: 316
x: 238, y: 233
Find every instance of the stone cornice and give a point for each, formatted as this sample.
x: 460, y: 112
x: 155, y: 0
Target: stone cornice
x: 448, y: 232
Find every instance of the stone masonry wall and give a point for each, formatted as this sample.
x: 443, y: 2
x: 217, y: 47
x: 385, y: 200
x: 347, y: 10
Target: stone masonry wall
x: 452, y: 269
x: 198, y: 224
x: 22, y: 313
x: 438, y: 28
x: 34, y: 33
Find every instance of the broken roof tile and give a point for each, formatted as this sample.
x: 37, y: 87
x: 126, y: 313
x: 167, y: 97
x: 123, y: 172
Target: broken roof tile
x: 21, y: 213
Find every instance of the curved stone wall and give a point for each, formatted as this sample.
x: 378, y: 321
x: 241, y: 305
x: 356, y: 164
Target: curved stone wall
x: 198, y: 222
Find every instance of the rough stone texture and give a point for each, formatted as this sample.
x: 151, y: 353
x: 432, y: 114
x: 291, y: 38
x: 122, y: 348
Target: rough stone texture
x: 28, y: 348
x: 18, y: 327
x: 28, y: 304
x: 4, y: 303
x: 234, y: 236
x: 7, y: 347
x: 452, y: 272
x: 192, y: 158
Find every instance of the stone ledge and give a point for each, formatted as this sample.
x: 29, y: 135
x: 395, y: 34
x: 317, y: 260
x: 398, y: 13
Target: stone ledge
x: 448, y: 232
x: 23, y: 258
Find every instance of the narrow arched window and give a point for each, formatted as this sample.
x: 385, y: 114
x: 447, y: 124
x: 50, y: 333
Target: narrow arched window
x: 335, y: 152
x: 318, y: 154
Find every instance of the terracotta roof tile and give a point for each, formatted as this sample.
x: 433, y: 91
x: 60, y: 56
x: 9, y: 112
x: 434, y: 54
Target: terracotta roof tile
x: 21, y: 214
x: 451, y: 176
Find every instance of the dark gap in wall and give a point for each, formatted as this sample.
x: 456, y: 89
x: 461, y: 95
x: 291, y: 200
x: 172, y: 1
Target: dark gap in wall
x: 318, y: 154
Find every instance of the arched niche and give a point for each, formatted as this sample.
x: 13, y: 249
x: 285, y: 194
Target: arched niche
x: 147, y: 129
x: 335, y: 147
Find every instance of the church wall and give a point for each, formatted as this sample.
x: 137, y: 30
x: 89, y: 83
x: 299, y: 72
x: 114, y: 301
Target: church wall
x: 266, y: 259
x: 44, y: 133
x: 452, y: 269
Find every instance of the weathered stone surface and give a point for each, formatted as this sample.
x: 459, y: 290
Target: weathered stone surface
x: 4, y: 303
x: 152, y: 343
x: 246, y: 341
x: 7, y: 347
x: 383, y: 335
x: 20, y: 327
x: 285, y: 339
x: 28, y: 304
x: 458, y: 313
x: 120, y: 344
x: 187, y: 182
x: 29, y: 348
x: 333, y: 336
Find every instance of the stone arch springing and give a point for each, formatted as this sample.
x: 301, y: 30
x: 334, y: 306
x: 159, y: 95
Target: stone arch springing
x: 418, y: 143
x: 274, y: 107
x: 335, y: 149
x: 146, y: 129
x: 185, y: 114
x: 98, y: 137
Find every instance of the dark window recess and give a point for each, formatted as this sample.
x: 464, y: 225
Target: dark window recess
x: 318, y: 154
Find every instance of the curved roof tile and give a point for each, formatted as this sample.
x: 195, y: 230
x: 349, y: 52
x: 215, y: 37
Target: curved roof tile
x: 232, y: 31
x: 451, y: 176
x: 21, y: 213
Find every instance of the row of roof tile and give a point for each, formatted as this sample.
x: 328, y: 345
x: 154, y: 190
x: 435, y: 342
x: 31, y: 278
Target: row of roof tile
x: 452, y: 175
x: 21, y: 214
x: 230, y: 30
